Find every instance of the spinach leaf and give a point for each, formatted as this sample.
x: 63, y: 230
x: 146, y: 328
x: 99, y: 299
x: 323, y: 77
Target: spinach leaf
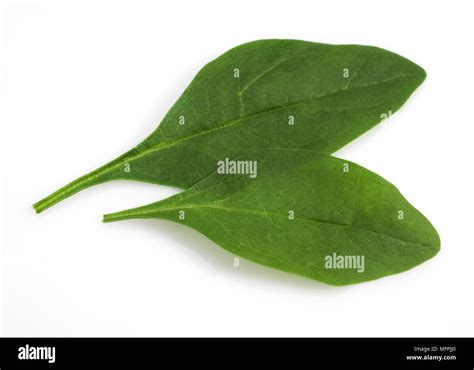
x: 264, y: 94
x: 305, y: 213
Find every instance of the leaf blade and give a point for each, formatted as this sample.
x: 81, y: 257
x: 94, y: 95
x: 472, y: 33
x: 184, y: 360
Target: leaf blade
x: 277, y: 79
x: 348, y: 213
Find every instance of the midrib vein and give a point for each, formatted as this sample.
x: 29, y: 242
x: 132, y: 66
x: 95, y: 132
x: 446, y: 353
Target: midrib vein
x: 255, y: 115
x: 265, y: 214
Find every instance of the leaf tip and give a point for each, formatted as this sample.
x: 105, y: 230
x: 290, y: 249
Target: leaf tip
x: 423, y: 73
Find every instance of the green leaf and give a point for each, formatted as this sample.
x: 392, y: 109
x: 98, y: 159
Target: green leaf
x: 338, y: 208
x: 264, y: 94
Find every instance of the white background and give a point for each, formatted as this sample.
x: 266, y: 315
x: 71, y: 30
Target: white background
x: 83, y: 81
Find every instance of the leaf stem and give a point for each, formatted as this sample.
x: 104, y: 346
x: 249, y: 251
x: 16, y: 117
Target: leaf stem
x: 98, y: 176
x: 125, y: 215
x: 117, y: 216
x: 147, y: 211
